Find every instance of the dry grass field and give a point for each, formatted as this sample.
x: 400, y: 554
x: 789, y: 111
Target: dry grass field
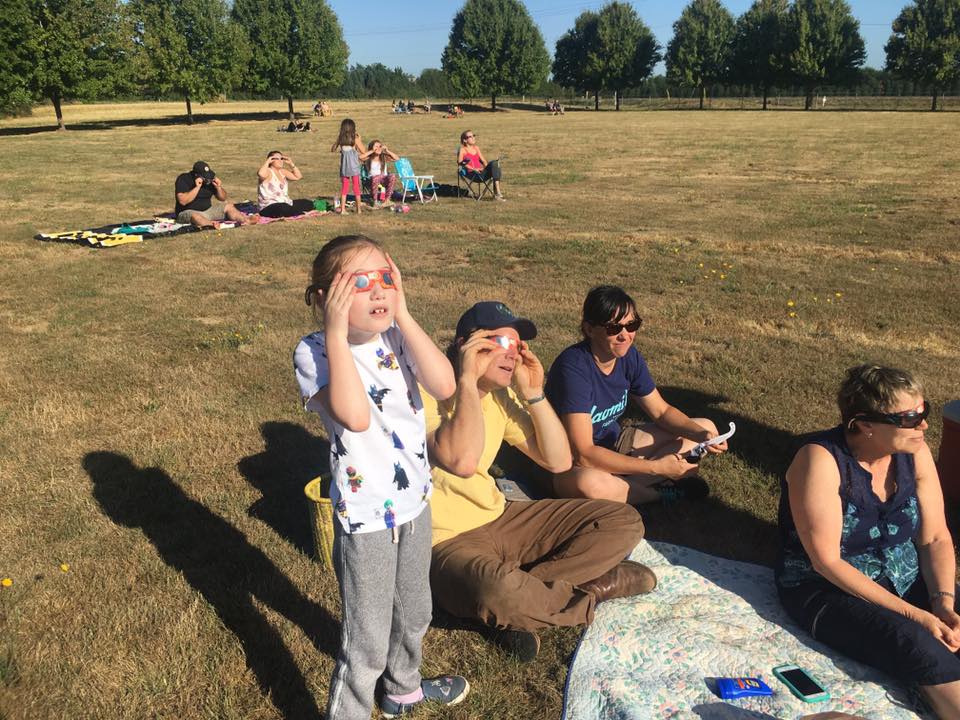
x: 152, y: 451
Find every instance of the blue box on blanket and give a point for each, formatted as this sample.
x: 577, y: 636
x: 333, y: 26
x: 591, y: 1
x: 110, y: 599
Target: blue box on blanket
x: 733, y: 688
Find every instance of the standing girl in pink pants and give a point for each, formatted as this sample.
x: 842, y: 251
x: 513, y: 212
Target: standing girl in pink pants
x: 352, y: 152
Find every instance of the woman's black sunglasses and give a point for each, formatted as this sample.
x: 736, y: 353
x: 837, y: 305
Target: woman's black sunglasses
x: 909, y: 419
x: 613, y: 328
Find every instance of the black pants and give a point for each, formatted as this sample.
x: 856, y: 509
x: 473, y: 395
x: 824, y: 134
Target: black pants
x: 278, y: 210
x: 492, y: 170
x: 871, y: 634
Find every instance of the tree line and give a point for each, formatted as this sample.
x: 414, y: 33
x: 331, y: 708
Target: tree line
x: 201, y: 50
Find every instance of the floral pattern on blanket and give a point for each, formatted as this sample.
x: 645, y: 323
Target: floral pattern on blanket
x: 651, y: 656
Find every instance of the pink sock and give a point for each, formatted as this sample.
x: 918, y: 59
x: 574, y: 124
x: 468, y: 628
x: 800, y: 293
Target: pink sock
x: 409, y: 698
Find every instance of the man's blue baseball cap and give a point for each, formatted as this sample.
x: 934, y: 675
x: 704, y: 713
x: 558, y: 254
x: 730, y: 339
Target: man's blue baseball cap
x: 489, y: 315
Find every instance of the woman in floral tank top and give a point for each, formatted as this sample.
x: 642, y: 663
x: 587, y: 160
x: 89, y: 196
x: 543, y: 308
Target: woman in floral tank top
x: 867, y: 563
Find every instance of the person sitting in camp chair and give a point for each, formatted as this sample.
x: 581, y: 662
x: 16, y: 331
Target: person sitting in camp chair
x: 201, y: 199
x: 476, y: 166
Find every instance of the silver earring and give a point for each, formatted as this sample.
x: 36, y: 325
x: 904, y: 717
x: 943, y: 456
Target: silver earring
x: 869, y: 435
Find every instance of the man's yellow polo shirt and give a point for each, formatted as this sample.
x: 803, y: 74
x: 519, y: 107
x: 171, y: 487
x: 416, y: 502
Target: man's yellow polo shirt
x: 461, y: 504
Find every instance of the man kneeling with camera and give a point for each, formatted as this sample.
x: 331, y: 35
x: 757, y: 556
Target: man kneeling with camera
x: 202, y: 201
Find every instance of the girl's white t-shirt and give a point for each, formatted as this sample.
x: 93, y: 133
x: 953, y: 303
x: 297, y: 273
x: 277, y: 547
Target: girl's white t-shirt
x: 380, y: 478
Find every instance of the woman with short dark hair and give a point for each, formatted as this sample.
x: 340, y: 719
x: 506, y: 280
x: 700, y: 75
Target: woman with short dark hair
x: 867, y: 563
x: 591, y: 383
x: 273, y: 193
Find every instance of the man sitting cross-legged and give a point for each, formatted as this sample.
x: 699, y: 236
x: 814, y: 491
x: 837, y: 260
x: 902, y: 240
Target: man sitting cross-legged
x: 516, y: 566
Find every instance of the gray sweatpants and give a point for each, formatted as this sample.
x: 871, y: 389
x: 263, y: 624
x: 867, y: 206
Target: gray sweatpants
x: 381, y: 631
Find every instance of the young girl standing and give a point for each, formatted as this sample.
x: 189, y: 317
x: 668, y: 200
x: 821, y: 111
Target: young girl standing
x: 360, y: 373
x: 352, y: 152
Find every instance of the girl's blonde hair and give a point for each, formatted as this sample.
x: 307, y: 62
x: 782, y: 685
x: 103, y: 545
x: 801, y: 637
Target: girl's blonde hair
x: 328, y: 262
x: 347, y: 136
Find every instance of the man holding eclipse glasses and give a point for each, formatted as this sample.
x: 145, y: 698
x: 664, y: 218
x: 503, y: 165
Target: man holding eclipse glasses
x: 516, y: 566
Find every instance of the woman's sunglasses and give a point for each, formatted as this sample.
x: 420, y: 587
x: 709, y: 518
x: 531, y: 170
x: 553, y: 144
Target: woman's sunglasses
x: 613, y: 328
x: 910, y: 419
x: 364, y: 280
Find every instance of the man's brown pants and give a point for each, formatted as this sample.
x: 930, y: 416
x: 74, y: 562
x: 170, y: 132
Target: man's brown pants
x: 522, y: 570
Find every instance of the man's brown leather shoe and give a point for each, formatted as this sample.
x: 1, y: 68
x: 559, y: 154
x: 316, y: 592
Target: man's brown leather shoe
x: 623, y: 580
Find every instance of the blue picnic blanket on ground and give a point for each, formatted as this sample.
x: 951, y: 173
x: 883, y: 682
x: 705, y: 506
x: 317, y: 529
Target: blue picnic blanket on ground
x: 651, y: 656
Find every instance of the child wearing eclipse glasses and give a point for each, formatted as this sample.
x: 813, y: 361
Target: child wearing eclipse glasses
x: 360, y: 374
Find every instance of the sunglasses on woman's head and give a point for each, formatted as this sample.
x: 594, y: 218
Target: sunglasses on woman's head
x: 909, y: 420
x: 613, y: 328
x: 364, y: 280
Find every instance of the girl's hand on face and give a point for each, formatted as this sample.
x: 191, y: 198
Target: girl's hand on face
x: 398, y: 281
x: 337, y: 300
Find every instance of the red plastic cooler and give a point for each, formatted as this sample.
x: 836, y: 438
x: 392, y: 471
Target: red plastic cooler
x: 948, y: 464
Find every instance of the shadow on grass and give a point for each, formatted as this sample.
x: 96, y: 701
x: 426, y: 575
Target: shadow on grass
x: 219, y: 563
x: 292, y: 456
x: 166, y: 120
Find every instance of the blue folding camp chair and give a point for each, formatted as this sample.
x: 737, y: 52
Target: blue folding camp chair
x: 475, y: 184
x: 413, y: 183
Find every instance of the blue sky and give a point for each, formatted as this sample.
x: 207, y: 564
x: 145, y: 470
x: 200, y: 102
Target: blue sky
x: 412, y: 34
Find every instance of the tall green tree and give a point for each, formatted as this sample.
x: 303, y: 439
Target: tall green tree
x: 760, y: 46
x: 699, y: 52
x: 190, y: 48
x: 626, y: 48
x: 575, y: 62
x: 83, y: 50
x: 495, y: 49
x: 18, y: 55
x: 298, y: 46
x: 925, y: 44
x: 825, y: 45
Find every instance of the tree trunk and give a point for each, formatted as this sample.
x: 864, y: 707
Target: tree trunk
x: 933, y: 107
x: 493, y: 102
x: 55, y: 99
x: 616, y: 94
x: 764, y: 97
x: 596, y: 99
x: 703, y: 95
x: 293, y: 116
x: 808, y: 99
x: 189, y: 110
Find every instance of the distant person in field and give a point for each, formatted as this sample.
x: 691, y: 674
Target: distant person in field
x: 201, y: 199
x: 273, y: 188
x: 475, y: 164
x: 382, y: 181
x: 867, y: 563
x: 591, y: 383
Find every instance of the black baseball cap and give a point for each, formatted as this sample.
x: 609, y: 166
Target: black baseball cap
x: 202, y: 170
x: 489, y: 315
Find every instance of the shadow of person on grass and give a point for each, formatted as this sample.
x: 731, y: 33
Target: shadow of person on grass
x: 219, y: 563
x: 162, y: 121
x: 292, y: 456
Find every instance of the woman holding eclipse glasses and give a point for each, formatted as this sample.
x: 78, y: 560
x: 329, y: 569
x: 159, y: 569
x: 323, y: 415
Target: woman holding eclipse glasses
x: 590, y: 385
x: 867, y: 563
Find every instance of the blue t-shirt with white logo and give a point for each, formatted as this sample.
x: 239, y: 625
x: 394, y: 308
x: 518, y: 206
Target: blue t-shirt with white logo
x: 576, y: 385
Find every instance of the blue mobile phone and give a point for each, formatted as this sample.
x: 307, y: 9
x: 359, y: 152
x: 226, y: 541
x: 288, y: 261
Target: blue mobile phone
x: 801, y: 683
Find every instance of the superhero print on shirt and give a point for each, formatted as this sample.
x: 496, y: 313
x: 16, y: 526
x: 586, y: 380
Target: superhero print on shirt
x: 338, y: 446
x: 342, y: 508
x: 354, y: 479
x: 423, y: 452
x: 387, y: 361
x: 426, y: 491
x: 355, y: 526
x: 377, y: 395
x: 396, y: 442
x: 400, y: 477
x: 389, y: 517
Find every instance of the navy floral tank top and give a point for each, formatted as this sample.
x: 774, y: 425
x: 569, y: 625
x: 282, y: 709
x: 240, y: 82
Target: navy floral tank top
x: 877, y: 537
